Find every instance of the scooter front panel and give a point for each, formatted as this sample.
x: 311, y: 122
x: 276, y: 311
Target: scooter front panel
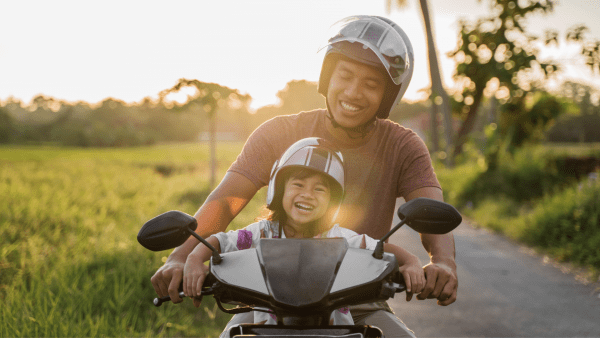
x: 242, y: 269
x: 358, y: 268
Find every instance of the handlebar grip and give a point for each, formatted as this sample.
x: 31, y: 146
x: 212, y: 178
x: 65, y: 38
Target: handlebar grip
x: 160, y: 300
x: 399, y: 280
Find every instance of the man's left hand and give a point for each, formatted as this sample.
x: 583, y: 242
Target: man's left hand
x: 441, y: 283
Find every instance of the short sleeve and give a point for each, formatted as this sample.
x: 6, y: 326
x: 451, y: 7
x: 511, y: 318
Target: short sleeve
x: 355, y: 240
x: 416, y: 170
x: 246, y: 238
x: 259, y: 153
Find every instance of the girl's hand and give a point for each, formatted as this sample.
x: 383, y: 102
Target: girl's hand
x: 414, y: 278
x: 194, y: 274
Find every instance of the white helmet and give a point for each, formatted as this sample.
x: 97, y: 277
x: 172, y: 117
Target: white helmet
x: 374, y: 41
x: 312, y: 153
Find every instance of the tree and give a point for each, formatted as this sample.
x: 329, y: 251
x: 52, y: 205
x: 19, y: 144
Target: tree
x: 495, y: 56
x: 590, y: 48
x: 439, y: 97
x: 297, y: 96
x: 208, y: 99
x: 7, y: 128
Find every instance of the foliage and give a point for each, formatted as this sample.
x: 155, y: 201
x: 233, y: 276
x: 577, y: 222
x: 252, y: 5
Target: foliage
x: 7, y: 128
x: 70, y: 264
x: 495, y: 56
x: 567, y: 224
x: 529, y: 174
x: 112, y: 123
x: 297, y: 96
x: 209, y: 97
x: 590, y: 48
x: 535, y: 197
x: 582, y: 122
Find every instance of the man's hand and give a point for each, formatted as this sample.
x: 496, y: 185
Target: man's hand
x: 441, y: 283
x: 167, y: 279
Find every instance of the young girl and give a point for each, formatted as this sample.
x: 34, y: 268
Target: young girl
x: 305, y: 191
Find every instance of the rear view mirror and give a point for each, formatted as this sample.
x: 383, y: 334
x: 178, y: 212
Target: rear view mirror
x: 167, y: 231
x: 429, y: 216
x: 426, y: 216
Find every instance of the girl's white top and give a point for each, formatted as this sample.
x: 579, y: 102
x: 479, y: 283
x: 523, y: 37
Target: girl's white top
x: 248, y: 237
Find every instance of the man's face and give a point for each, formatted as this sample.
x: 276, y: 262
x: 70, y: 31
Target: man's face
x: 355, y: 92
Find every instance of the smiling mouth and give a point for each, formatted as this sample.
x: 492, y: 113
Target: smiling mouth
x: 349, y: 107
x: 304, y: 206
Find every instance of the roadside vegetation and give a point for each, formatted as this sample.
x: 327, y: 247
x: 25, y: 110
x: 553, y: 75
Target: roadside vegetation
x: 547, y: 197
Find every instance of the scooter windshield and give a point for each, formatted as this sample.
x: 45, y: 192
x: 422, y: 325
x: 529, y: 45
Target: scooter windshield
x: 300, y: 272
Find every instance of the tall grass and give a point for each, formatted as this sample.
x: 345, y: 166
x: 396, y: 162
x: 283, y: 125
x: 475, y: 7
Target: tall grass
x: 70, y: 264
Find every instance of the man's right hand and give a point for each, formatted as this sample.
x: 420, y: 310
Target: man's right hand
x: 167, y: 279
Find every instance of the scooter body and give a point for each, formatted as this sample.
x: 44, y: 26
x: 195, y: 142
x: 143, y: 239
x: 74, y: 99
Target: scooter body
x: 302, y: 281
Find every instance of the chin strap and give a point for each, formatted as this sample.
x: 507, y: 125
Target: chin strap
x: 362, y: 130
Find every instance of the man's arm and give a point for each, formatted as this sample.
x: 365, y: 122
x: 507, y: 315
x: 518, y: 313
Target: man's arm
x: 442, y: 280
x: 219, y: 209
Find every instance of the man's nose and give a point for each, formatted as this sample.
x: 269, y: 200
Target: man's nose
x: 353, y: 90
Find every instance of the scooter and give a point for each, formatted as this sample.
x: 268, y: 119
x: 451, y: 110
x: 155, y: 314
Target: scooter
x: 301, y: 281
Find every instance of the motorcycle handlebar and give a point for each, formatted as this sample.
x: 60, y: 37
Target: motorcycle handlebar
x: 160, y: 300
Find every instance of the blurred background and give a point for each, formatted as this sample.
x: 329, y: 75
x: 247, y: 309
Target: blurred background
x: 112, y: 112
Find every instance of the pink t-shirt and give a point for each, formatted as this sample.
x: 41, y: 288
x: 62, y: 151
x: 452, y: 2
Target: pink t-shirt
x: 389, y: 163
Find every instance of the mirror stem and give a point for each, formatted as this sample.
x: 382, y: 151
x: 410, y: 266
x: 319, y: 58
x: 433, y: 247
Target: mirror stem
x: 216, y: 258
x: 378, y: 253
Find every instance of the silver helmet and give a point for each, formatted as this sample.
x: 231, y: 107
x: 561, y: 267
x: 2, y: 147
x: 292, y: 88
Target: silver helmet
x: 311, y: 153
x: 374, y: 41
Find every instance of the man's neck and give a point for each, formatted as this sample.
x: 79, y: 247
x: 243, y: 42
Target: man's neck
x: 348, y: 138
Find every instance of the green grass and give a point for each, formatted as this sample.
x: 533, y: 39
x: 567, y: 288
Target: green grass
x: 70, y: 264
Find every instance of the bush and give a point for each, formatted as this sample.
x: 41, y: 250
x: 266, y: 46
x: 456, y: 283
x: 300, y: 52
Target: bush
x: 568, y: 224
x: 527, y: 175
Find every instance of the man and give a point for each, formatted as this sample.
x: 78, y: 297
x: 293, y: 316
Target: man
x: 366, y: 70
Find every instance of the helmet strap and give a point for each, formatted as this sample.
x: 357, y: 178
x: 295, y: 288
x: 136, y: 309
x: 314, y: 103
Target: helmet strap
x: 362, y: 130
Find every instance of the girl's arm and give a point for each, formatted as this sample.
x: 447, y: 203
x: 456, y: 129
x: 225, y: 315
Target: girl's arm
x: 410, y: 268
x: 402, y: 256
x: 195, y: 271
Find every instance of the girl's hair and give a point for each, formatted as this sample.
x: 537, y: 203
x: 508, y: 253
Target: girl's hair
x: 276, y: 213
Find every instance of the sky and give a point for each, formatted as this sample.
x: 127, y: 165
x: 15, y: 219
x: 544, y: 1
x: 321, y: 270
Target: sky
x: 132, y: 49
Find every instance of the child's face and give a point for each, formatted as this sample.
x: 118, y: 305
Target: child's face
x: 305, y: 199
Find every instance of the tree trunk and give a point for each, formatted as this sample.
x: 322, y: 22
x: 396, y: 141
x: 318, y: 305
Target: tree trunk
x: 212, y: 125
x: 435, y: 143
x: 467, y: 125
x: 436, y: 83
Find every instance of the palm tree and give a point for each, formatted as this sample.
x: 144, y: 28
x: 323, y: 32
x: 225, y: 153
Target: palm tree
x: 438, y: 93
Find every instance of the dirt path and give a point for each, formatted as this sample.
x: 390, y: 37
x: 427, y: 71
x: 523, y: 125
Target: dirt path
x: 504, y: 291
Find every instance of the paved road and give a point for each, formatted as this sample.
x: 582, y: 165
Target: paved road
x: 503, y: 292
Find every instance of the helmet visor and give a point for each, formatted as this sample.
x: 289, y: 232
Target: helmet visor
x: 375, y: 34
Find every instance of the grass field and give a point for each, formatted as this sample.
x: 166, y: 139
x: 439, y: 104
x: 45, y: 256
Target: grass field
x: 70, y: 264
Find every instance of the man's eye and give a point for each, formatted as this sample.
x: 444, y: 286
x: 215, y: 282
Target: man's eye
x: 372, y: 84
x: 344, y: 75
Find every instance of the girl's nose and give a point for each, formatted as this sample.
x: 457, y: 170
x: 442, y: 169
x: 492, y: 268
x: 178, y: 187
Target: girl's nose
x: 307, y: 194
